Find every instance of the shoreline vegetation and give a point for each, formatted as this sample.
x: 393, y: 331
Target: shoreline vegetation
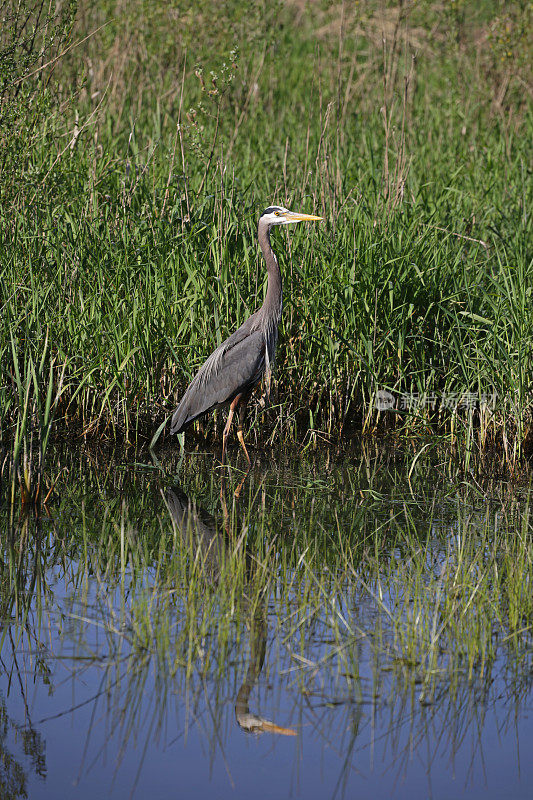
x: 139, y: 145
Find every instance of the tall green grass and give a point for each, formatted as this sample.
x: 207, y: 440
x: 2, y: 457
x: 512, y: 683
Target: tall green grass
x: 128, y: 229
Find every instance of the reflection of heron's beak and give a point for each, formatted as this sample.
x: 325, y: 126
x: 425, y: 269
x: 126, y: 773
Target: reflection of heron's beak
x: 270, y: 727
x: 293, y: 216
x: 253, y: 724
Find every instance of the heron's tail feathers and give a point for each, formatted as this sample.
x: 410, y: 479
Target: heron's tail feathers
x: 179, y: 419
x: 191, y: 407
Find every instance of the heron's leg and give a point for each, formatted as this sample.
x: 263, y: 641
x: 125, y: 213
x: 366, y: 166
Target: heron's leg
x: 242, y: 414
x: 233, y: 406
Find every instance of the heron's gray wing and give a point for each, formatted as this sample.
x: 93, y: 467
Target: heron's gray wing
x: 234, y: 367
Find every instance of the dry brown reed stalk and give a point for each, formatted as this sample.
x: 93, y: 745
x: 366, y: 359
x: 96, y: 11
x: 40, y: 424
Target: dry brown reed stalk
x: 251, y: 93
x: 393, y: 180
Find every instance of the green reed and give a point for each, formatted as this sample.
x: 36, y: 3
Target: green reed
x: 129, y: 232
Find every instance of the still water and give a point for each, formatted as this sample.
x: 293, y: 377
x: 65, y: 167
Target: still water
x: 356, y: 623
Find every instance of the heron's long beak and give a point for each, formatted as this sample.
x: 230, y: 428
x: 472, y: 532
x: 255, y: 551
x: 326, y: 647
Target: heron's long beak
x: 293, y: 216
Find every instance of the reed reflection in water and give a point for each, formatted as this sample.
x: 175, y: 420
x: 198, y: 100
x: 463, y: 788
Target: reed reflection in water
x: 389, y: 625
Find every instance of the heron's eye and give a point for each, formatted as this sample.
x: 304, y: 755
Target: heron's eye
x: 277, y: 213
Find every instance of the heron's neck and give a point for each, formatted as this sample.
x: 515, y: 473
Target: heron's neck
x: 271, y: 308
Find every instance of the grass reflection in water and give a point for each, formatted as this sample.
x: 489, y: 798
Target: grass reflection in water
x: 365, y: 614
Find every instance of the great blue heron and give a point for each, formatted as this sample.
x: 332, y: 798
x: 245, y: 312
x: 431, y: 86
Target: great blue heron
x: 234, y: 369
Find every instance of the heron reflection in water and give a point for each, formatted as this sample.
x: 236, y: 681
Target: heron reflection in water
x: 234, y: 369
x: 199, y: 530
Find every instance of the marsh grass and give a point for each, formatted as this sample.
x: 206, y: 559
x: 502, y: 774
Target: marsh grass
x: 128, y: 228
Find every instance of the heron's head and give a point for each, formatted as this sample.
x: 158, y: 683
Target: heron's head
x: 277, y: 215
